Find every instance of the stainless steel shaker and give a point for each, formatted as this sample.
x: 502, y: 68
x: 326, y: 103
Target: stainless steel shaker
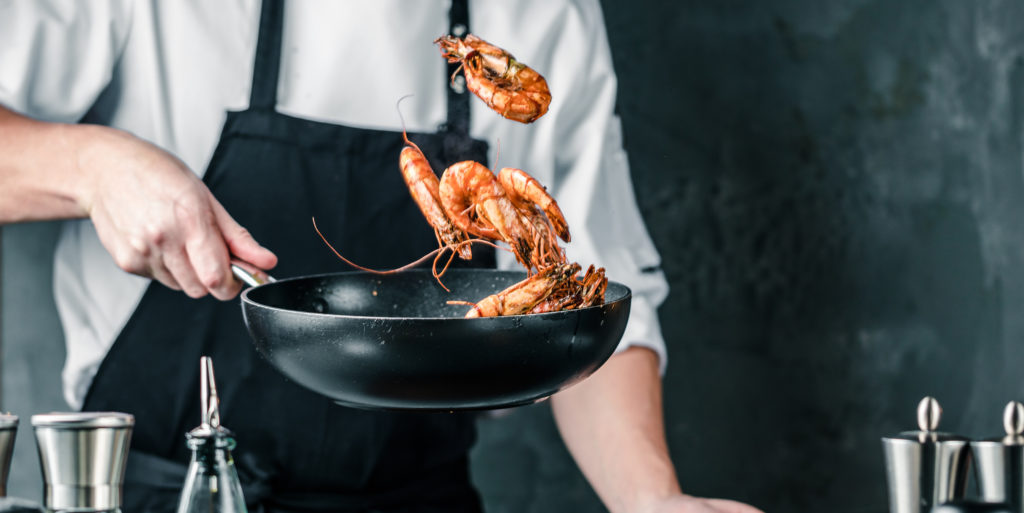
x: 82, y: 455
x: 8, y: 432
x: 925, y: 468
x: 1000, y: 461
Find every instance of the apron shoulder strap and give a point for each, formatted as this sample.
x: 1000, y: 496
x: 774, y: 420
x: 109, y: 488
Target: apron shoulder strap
x: 268, y: 56
x: 458, y: 100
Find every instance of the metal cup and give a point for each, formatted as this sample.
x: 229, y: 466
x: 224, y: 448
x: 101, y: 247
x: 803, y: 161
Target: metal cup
x: 83, y: 458
x: 925, y: 468
x: 8, y: 432
x: 1001, y: 461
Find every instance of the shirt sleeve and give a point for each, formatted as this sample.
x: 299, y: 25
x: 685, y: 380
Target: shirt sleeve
x: 57, y: 56
x: 593, y: 185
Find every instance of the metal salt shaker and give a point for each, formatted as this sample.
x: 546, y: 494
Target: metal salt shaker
x: 1000, y: 461
x: 82, y: 455
x: 925, y: 468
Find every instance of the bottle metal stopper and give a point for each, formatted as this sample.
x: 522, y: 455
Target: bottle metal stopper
x: 209, y: 402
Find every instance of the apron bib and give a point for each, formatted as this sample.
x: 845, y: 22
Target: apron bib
x: 297, y: 451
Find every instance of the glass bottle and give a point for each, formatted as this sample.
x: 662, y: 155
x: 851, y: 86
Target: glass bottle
x: 212, y: 483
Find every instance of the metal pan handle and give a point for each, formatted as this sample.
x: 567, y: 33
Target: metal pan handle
x: 250, y: 275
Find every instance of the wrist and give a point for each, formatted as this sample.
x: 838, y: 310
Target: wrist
x: 650, y: 500
x: 94, y: 149
x: 645, y: 488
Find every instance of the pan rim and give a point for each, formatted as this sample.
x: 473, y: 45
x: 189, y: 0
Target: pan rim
x: 246, y: 300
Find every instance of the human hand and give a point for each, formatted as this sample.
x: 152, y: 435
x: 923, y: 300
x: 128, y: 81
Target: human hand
x: 688, y: 504
x: 157, y: 218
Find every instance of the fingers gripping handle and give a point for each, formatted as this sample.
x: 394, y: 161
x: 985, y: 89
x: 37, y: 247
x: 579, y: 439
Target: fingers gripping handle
x: 250, y: 275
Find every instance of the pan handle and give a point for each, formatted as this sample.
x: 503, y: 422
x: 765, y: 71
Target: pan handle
x: 250, y: 275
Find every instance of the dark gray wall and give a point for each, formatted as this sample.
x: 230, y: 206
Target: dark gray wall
x: 837, y: 190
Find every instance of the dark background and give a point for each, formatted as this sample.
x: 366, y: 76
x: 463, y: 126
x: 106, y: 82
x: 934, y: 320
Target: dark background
x: 837, y: 192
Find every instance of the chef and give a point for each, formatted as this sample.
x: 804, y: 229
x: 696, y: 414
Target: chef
x: 174, y: 136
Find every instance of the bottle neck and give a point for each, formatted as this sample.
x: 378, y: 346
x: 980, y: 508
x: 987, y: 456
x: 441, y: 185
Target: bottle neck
x: 211, y: 451
x: 212, y: 484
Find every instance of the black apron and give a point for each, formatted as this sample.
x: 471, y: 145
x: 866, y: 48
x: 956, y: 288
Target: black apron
x: 297, y: 451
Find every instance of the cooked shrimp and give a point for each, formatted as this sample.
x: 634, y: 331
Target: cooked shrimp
x: 477, y: 204
x: 527, y: 193
x: 544, y: 243
x: 593, y: 285
x: 424, y: 187
x: 579, y: 292
x: 506, y: 85
x: 523, y: 296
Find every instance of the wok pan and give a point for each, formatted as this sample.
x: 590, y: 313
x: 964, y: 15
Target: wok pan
x: 392, y: 342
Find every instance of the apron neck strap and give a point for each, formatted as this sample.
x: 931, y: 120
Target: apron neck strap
x: 268, y: 56
x: 268, y: 59
x: 458, y: 100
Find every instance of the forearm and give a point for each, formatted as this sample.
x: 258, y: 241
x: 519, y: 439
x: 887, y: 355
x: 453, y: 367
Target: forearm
x: 613, y: 425
x: 41, y: 176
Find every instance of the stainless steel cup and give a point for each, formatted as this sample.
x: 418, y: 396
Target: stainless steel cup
x: 8, y: 432
x: 83, y: 457
x: 925, y: 468
x: 1000, y: 461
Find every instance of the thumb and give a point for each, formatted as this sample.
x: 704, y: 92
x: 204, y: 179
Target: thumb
x: 240, y: 242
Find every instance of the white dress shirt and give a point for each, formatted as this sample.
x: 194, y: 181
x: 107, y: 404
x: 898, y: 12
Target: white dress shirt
x: 168, y: 71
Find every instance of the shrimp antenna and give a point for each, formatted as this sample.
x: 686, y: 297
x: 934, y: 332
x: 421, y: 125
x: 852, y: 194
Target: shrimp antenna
x: 436, y: 254
x: 410, y: 265
x: 405, y: 135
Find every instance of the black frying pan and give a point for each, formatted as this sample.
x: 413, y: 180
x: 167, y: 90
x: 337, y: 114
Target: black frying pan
x: 391, y: 341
